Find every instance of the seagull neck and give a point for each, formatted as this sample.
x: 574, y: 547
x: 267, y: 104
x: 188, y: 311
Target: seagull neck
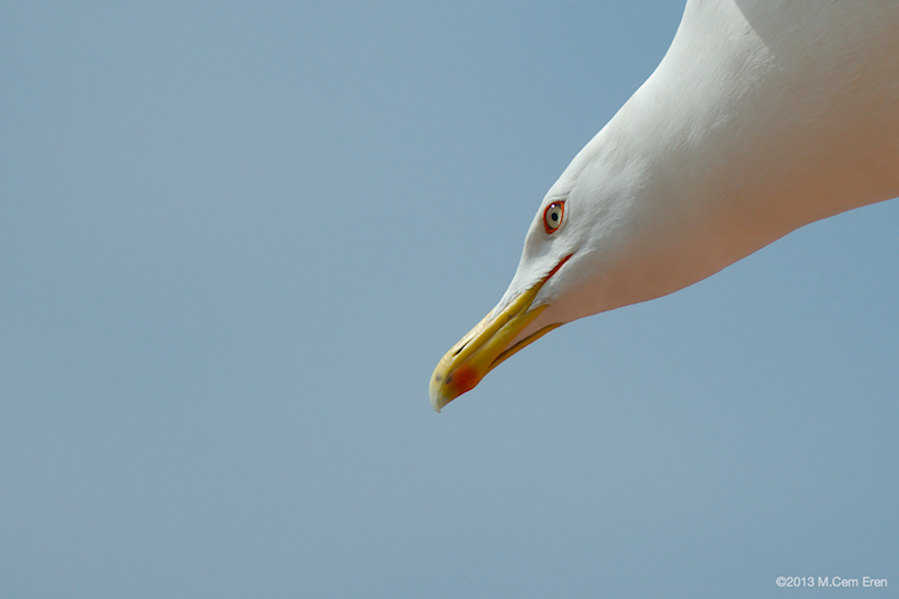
x: 706, y: 164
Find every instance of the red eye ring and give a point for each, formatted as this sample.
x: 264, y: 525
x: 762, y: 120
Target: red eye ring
x: 552, y: 216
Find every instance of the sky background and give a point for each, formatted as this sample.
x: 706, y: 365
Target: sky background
x: 236, y: 239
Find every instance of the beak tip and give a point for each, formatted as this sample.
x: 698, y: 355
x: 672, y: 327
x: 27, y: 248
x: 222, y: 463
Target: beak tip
x: 434, y: 393
x: 438, y: 400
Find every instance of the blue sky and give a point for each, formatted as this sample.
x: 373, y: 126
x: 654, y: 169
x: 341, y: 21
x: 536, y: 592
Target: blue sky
x: 234, y: 242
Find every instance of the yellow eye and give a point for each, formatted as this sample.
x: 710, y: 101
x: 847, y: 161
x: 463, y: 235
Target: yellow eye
x: 552, y: 216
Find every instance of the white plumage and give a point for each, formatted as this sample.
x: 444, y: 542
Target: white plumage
x: 762, y: 117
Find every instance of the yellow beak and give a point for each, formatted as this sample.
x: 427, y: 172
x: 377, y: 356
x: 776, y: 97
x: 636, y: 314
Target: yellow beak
x: 486, y: 346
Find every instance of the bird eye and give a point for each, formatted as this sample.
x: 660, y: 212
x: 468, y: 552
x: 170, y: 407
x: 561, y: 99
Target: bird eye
x: 552, y: 216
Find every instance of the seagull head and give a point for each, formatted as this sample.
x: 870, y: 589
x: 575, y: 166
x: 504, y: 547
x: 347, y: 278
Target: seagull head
x: 561, y: 275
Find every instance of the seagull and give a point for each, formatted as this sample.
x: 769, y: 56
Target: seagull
x: 762, y: 117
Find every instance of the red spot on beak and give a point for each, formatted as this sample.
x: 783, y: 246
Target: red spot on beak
x: 465, y: 378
